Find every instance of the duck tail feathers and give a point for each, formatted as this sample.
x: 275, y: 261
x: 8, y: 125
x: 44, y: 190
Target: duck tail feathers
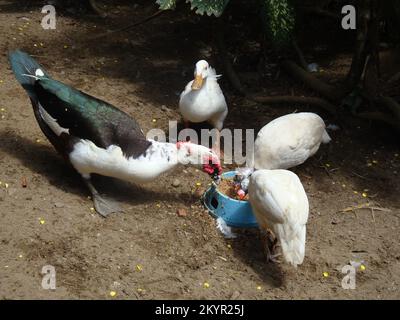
x: 325, y: 137
x: 26, y: 70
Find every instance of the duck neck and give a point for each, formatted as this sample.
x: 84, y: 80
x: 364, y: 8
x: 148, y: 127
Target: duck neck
x: 159, y: 158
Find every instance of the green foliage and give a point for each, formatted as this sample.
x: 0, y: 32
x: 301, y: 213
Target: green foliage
x: 279, y: 19
x: 278, y: 16
x: 166, y: 4
x: 209, y: 7
x: 215, y: 7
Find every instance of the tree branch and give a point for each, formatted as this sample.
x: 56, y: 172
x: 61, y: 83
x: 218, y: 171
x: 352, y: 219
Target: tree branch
x: 330, y: 92
x: 380, y: 117
x: 226, y: 63
x: 312, y: 101
x: 390, y: 104
x: 93, y: 5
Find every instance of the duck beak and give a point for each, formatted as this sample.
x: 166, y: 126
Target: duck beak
x: 197, y: 83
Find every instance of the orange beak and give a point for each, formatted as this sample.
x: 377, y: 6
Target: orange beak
x: 197, y: 83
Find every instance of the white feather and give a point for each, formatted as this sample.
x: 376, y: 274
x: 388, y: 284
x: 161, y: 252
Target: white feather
x: 39, y: 73
x: 51, y: 122
x: 289, y: 140
x: 225, y: 229
x: 206, y: 104
x: 160, y: 157
x: 280, y: 203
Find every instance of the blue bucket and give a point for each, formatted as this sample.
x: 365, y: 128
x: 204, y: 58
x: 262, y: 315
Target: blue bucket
x: 236, y: 213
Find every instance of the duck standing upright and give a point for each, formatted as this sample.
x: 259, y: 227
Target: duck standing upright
x: 203, y: 100
x: 288, y: 141
x: 280, y: 203
x: 96, y: 137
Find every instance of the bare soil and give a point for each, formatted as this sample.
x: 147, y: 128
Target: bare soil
x: 150, y: 252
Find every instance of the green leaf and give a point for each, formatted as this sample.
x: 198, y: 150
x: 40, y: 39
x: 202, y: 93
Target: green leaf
x: 279, y: 21
x: 209, y: 7
x: 166, y: 4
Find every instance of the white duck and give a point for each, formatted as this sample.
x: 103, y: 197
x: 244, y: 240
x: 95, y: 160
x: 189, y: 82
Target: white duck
x: 288, y: 141
x: 203, y: 100
x: 280, y: 203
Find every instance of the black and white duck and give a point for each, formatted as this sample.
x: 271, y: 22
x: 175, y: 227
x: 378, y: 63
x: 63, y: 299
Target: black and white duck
x: 98, y: 138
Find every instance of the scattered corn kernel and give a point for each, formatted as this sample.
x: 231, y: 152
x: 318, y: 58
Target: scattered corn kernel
x: 42, y: 221
x: 362, y: 267
x: 139, y: 267
x: 113, y: 293
x: 325, y: 274
x: 206, y: 285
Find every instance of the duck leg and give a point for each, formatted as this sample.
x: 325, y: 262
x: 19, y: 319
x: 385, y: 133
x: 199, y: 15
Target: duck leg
x: 270, y: 246
x: 217, y: 145
x: 103, y: 206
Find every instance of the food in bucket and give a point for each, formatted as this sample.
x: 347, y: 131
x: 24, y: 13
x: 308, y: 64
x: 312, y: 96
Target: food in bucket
x: 231, y: 189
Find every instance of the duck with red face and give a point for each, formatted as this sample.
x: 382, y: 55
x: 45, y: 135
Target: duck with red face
x: 97, y: 138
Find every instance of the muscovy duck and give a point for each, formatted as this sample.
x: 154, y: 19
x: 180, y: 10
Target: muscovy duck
x: 280, y: 204
x: 96, y: 137
x: 288, y: 141
x: 203, y: 100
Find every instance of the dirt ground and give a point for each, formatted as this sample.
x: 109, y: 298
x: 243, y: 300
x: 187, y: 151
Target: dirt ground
x: 150, y: 252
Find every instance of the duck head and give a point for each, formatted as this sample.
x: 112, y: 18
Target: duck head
x: 200, y: 156
x: 242, y: 180
x: 200, y: 74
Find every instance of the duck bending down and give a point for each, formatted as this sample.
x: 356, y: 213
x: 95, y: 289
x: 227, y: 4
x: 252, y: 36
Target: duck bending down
x: 280, y: 204
x: 97, y: 138
x: 288, y: 141
x: 203, y: 100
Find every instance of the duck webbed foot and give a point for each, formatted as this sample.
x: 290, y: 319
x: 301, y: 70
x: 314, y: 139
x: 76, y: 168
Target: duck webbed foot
x: 270, y: 246
x: 102, y: 205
